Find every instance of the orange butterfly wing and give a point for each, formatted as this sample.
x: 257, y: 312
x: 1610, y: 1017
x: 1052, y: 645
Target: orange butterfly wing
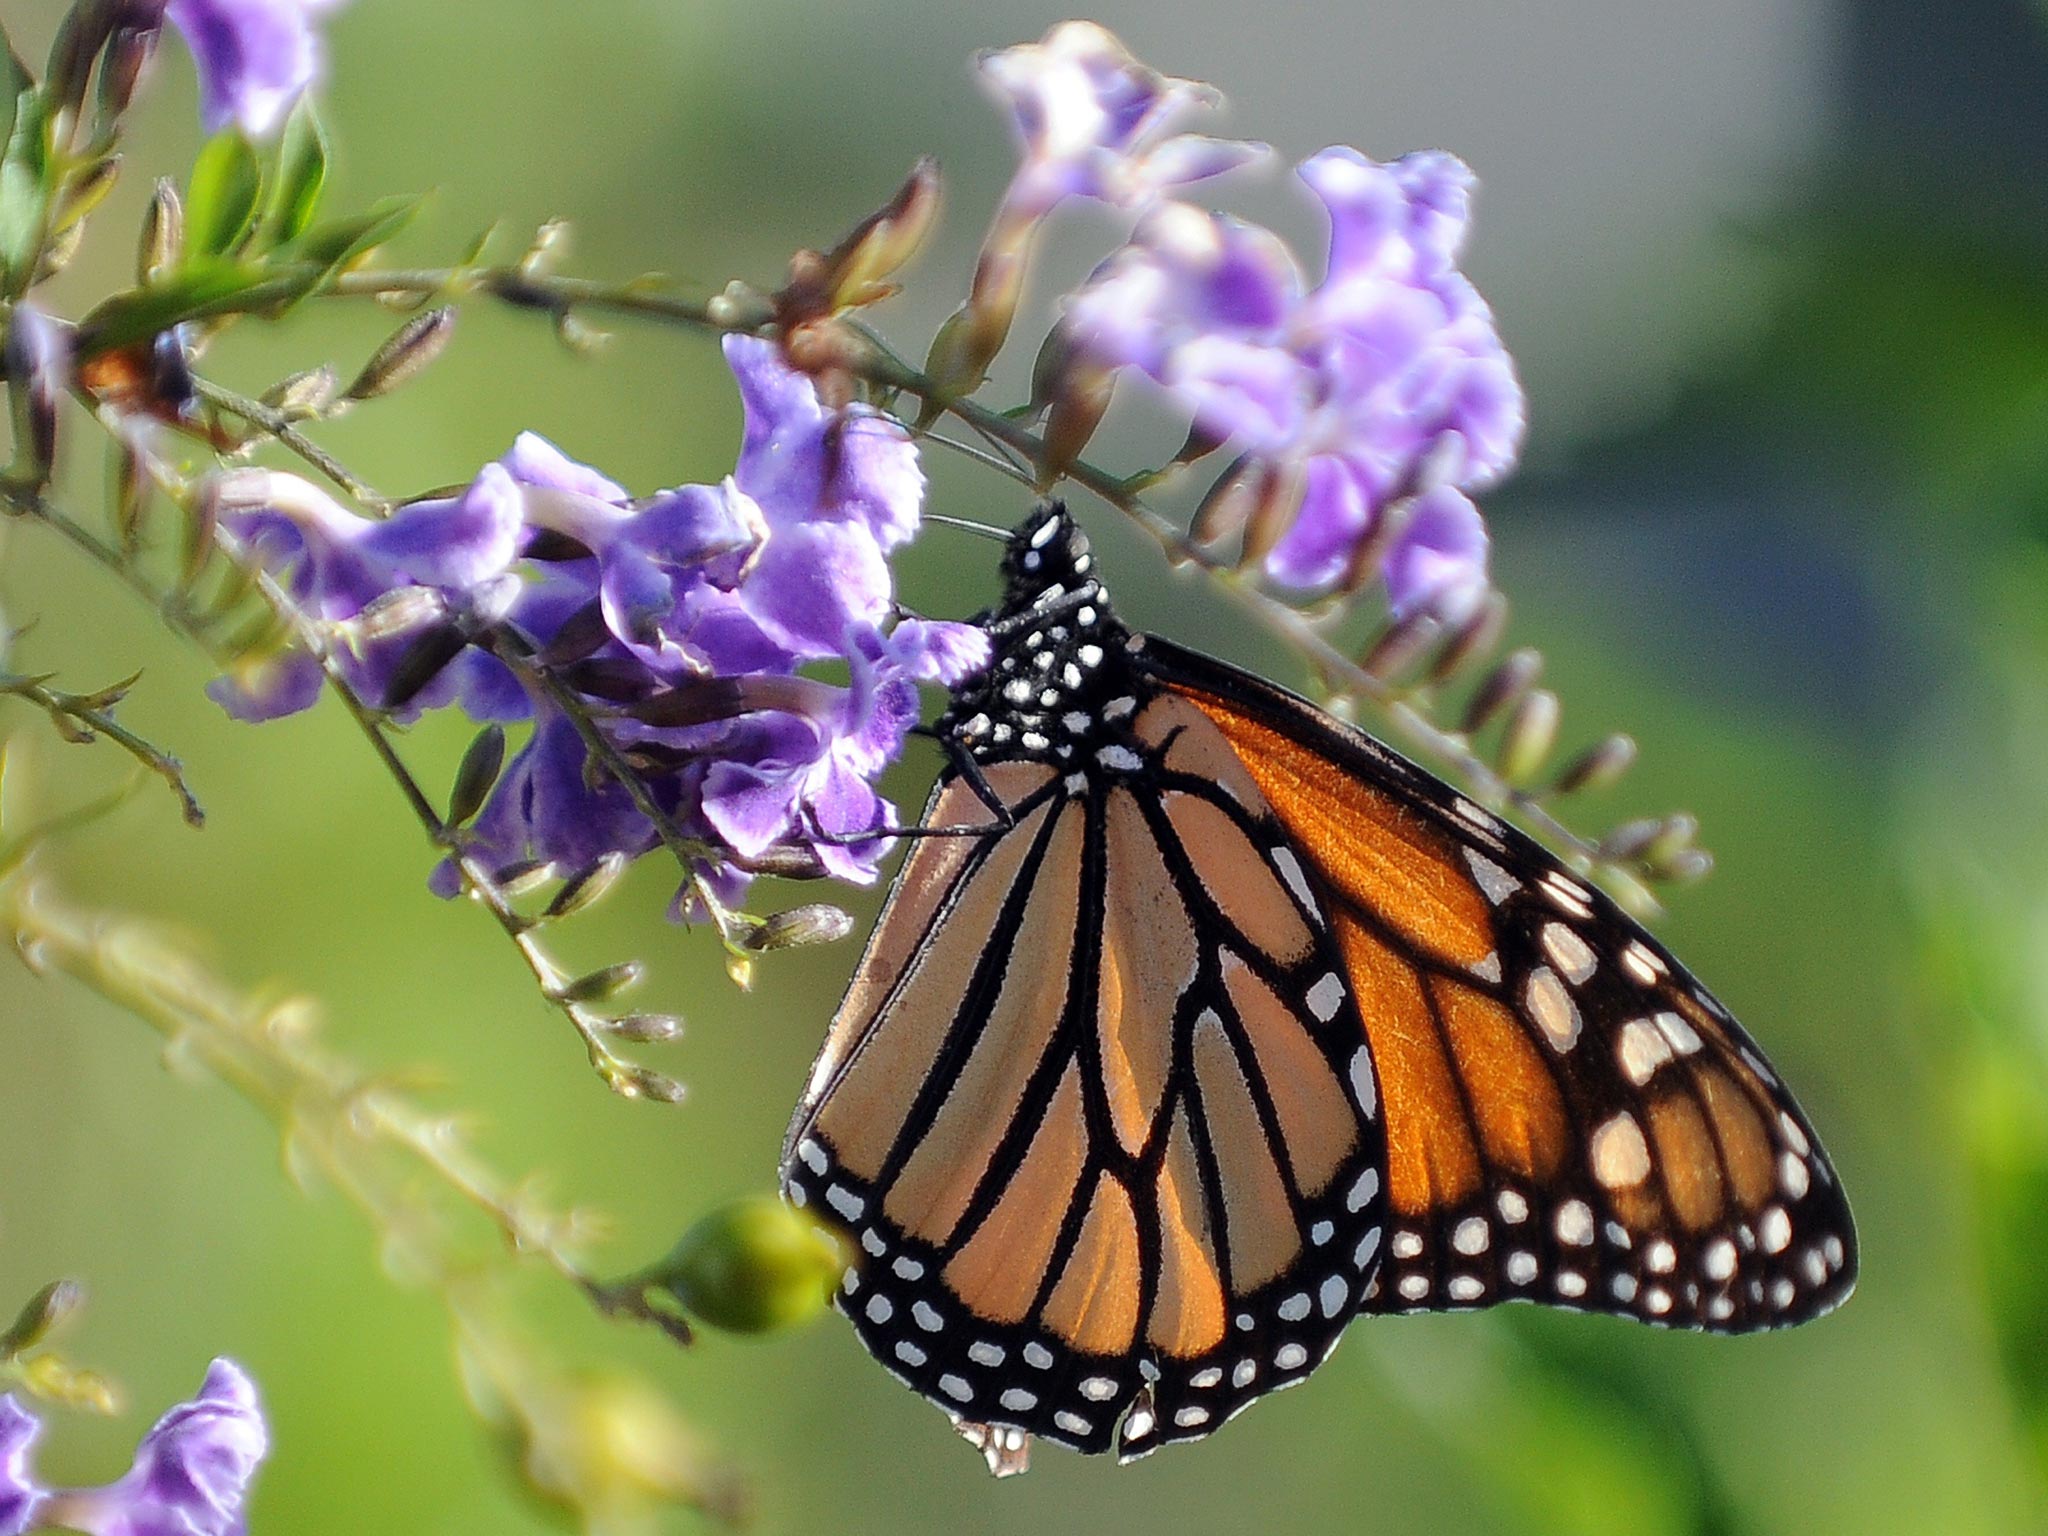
x: 1570, y: 1117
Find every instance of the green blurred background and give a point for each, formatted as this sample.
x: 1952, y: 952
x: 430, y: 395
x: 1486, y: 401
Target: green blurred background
x: 1777, y: 275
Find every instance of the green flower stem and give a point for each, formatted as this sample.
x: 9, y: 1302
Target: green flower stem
x: 389, y: 1158
x: 80, y: 720
x: 276, y: 424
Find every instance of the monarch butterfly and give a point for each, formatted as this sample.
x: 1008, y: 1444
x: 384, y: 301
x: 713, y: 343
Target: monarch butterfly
x: 1234, y: 1025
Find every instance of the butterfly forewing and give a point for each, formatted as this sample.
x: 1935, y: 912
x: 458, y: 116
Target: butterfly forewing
x: 1571, y: 1118
x: 1097, y: 1116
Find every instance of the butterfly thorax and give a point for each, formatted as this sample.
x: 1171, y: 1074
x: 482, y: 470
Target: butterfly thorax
x: 1054, y: 672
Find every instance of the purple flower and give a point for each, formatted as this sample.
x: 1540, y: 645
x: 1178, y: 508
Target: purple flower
x: 1096, y: 123
x: 190, y: 1478
x: 255, y: 57
x: 1384, y: 382
x: 683, y: 620
x: 19, y: 1493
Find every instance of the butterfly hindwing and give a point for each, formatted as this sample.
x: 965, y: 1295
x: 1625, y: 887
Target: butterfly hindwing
x: 1571, y: 1117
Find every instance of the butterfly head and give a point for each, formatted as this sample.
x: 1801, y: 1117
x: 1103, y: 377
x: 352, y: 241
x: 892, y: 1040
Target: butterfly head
x: 1054, y: 645
x: 1048, y: 557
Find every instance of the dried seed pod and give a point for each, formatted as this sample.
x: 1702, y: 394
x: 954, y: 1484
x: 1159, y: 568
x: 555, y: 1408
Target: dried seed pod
x: 1599, y: 766
x: 1504, y: 685
x: 405, y: 353
x: 477, y: 775
x: 1527, y: 739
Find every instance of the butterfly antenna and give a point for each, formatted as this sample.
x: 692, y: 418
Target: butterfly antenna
x: 968, y: 525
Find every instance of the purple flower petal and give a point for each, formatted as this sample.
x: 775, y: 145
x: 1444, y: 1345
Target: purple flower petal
x: 1439, y: 559
x: 19, y: 1492
x: 454, y: 544
x: 813, y: 582
x: 255, y: 57
x: 533, y: 460
x: 1095, y: 122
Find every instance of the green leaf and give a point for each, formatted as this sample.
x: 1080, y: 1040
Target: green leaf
x: 24, y: 188
x: 220, y: 198
x: 301, y: 175
x: 338, y: 242
x: 204, y: 285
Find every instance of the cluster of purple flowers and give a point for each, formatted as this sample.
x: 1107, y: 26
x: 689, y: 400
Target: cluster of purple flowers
x: 190, y: 1478
x: 685, y: 621
x: 1385, y: 390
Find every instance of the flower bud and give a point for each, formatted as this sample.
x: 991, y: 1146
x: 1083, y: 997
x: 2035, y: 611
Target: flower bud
x: 633, y: 1082
x: 753, y: 1266
x: 163, y: 232
x: 605, y: 982
x: 1401, y: 645
x: 886, y: 240
x: 1625, y: 844
x: 422, y: 661
x: 645, y: 1028
x: 305, y: 393
x: 405, y: 353
x: 38, y: 360
x: 1599, y: 766
x: 1226, y: 505
x: 47, y: 1311
x: 818, y: 923
x: 1473, y: 640
x: 85, y: 193
x: 1503, y: 686
x: 1674, y: 838
x: 1079, y: 402
x: 477, y: 774
x: 1275, y: 505
x: 128, y: 54
x: 587, y: 885
x: 1529, y: 736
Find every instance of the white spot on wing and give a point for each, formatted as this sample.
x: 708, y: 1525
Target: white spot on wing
x: 1620, y: 1156
x: 1568, y: 952
x: 1498, y: 884
x: 1326, y: 997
